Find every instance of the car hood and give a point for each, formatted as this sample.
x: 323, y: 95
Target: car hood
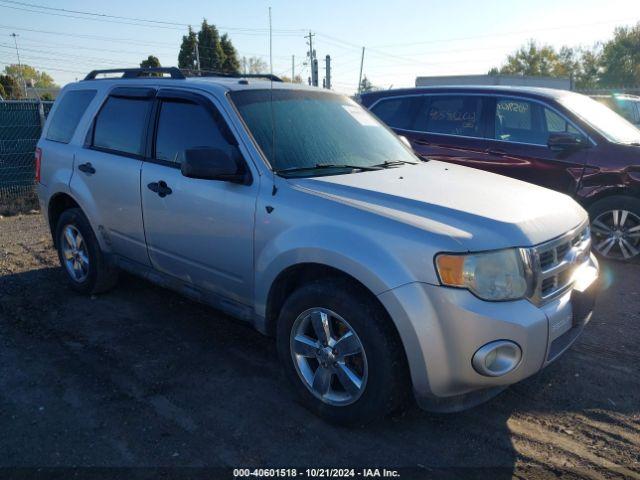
x: 478, y: 210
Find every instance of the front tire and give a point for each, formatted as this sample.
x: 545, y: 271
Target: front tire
x: 615, y: 228
x: 84, y: 264
x: 341, y: 353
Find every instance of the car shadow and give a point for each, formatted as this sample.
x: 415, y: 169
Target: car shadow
x: 143, y: 377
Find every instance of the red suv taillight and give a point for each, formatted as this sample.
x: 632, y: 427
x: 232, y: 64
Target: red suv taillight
x: 38, y: 164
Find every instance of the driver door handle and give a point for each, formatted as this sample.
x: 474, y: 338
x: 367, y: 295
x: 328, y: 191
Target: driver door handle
x: 161, y: 188
x: 87, y: 168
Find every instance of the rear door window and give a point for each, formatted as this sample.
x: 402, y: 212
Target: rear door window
x: 459, y: 115
x: 184, y: 125
x: 397, y: 112
x: 121, y: 125
x: 68, y: 114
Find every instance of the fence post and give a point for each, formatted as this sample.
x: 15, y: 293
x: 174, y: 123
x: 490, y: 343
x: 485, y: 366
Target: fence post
x: 41, y: 113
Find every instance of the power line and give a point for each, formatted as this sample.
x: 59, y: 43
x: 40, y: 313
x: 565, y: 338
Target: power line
x: 131, y: 20
x: 502, y: 34
x: 47, y: 67
x: 121, y: 40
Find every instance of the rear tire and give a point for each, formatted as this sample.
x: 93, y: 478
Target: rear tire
x: 358, y: 387
x: 615, y: 228
x: 82, y: 260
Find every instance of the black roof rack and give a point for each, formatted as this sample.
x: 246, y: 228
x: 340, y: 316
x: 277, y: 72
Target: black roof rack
x: 138, y: 72
x: 174, y: 72
x: 213, y: 73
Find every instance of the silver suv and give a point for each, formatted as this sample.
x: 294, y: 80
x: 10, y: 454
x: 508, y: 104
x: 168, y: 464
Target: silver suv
x: 292, y: 208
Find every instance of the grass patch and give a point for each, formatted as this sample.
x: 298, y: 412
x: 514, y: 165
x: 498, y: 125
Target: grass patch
x: 18, y: 200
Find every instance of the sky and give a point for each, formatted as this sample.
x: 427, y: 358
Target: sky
x: 402, y: 39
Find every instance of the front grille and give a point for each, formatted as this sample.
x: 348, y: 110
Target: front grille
x: 554, y: 263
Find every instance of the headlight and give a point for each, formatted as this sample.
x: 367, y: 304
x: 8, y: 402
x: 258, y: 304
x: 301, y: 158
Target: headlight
x: 499, y: 275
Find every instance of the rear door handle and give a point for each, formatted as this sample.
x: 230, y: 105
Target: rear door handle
x: 161, y: 188
x: 87, y: 168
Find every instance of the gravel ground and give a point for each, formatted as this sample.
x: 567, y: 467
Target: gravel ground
x: 141, y: 377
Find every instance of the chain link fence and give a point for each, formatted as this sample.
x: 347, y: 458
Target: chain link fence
x: 20, y: 127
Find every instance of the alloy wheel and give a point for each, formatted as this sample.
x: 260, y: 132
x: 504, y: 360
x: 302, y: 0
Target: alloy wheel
x: 74, y: 254
x: 329, y: 356
x: 616, y: 234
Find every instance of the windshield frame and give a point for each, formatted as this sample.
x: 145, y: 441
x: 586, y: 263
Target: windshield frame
x: 321, y: 172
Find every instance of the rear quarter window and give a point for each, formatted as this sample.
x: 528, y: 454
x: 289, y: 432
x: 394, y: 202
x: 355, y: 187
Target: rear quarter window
x: 68, y: 114
x: 396, y: 112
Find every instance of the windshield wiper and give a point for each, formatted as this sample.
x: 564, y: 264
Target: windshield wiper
x: 327, y: 166
x: 394, y: 163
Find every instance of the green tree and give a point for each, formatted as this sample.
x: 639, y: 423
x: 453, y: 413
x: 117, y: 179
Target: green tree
x: 253, y: 65
x: 588, y: 75
x: 366, y: 85
x: 581, y: 64
x: 217, y: 53
x: 30, y: 75
x: 150, y: 62
x: 231, y: 64
x: 187, y: 55
x: 11, y: 87
x: 532, y: 59
x: 212, y: 56
x: 620, y: 60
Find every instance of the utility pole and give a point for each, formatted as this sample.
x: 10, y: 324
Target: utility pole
x: 312, y: 61
x: 293, y: 68
x: 270, y: 47
x: 198, y: 57
x: 360, y: 77
x: 327, y: 75
x: 24, y: 83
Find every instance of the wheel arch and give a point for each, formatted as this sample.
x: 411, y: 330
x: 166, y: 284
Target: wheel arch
x: 58, y: 203
x: 608, y: 192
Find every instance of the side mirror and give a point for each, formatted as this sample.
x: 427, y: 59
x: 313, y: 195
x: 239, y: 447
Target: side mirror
x: 566, y: 141
x: 214, y: 164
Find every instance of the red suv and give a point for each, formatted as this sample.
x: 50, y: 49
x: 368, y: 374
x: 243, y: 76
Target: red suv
x: 553, y: 138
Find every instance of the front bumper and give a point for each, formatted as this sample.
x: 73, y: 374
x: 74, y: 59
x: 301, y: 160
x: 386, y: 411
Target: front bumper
x: 441, y: 328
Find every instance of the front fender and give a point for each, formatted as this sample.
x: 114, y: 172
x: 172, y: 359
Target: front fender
x: 340, y: 248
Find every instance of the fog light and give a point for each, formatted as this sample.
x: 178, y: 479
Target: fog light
x: 497, y: 358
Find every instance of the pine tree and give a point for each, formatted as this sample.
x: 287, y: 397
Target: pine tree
x: 212, y: 56
x: 231, y: 63
x: 187, y: 55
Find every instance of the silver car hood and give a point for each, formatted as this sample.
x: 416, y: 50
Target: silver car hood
x: 477, y: 209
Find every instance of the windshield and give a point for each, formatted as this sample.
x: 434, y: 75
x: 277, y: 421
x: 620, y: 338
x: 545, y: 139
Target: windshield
x: 317, y: 129
x: 603, y: 119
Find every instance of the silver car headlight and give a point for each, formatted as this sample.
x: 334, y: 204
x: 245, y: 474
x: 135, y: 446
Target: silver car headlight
x: 495, y: 276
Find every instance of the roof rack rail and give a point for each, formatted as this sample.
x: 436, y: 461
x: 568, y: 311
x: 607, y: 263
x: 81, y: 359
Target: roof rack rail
x: 137, y: 72
x: 213, y: 73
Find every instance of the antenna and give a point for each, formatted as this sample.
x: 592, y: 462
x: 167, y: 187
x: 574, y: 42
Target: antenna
x: 273, y: 117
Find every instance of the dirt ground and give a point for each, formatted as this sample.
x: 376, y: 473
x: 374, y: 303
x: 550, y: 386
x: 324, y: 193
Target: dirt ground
x: 140, y: 377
